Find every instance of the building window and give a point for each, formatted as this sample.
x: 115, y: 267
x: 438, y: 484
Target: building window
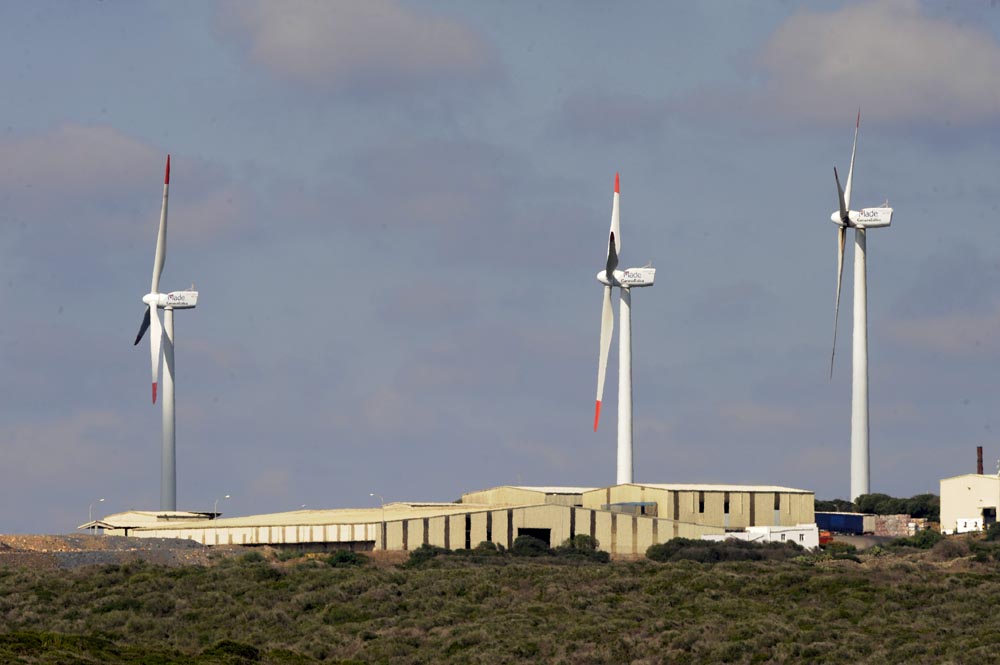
x: 782, y: 537
x: 802, y: 537
x: 701, y: 502
x: 725, y: 503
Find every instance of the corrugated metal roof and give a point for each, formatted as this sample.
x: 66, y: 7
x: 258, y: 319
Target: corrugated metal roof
x: 391, y: 512
x: 550, y: 490
x: 137, y: 518
x: 710, y: 487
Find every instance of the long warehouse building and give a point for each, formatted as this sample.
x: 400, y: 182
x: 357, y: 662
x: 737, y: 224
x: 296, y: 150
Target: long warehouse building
x: 625, y: 519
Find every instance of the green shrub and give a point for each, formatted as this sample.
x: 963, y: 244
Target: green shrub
x: 950, y: 548
x: 921, y: 505
x: 525, y: 545
x: 346, y: 558
x: 839, y: 547
x: 922, y: 540
x: 582, y: 547
x: 239, y: 650
x: 707, y: 551
x: 835, y: 506
x: 993, y: 532
x: 581, y: 542
x: 425, y: 553
x: 289, y: 554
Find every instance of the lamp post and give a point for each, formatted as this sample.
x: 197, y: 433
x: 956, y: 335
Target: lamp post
x: 381, y: 501
x: 90, y: 513
x: 215, y: 508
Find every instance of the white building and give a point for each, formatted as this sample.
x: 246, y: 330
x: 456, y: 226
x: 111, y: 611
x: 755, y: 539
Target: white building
x: 969, y: 502
x: 805, y: 535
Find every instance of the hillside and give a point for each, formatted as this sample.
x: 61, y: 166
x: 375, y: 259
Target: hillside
x: 908, y: 607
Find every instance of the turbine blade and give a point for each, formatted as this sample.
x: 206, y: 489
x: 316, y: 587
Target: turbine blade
x: 607, y: 328
x: 161, y: 238
x: 850, y: 172
x: 615, y: 237
x: 840, y: 197
x: 155, y: 345
x: 609, y: 268
x: 142, y: 328
x: 841, y: 239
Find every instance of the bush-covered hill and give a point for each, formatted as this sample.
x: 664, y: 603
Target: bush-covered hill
x: 928, y: 607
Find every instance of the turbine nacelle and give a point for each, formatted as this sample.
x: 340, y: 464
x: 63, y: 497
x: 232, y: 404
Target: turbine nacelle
x: 174, y: 300
x: 631, y: 278
x: 866, y: 218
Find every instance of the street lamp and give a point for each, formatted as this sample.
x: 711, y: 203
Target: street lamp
x: 381, y: 501
x: 215, y: 508
x: 90, y: 513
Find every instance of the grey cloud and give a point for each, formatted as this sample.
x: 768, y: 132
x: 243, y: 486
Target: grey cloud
x: 612, y: 117
x: 888, y: 57
x: 372, y: 47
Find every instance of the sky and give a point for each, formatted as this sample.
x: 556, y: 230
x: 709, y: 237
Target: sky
x: 394, y: 213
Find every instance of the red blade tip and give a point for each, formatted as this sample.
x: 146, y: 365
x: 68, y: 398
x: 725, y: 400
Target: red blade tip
x: 597, y: 414
x: 166, y: 176
x: 154, y: 393
x: 616, y: 184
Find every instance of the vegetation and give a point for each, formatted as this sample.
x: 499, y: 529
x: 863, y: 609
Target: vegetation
x: 922, y: 505
x: 993, y: 532
x: 486, y: 605
x: 705, y: 551
x: 923, y: 540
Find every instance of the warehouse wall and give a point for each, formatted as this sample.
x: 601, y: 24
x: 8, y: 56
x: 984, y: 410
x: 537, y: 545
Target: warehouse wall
x: 709, y: 507
x: 515, y: 496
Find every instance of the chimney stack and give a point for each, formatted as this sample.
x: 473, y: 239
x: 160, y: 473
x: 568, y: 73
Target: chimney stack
x: 979, y: 460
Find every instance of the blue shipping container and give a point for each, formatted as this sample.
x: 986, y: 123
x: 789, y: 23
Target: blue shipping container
x: 841, y: 522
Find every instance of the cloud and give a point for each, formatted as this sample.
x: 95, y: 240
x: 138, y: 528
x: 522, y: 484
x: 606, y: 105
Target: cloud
x: 957, y: 334
x: 776, y: 418
x: 375, y: 46
x: 63, y: 451
x: 622, y: 117
x: 273, y: 483
x: 889, y: 58
x: 74, y: 159
x: 433, y: 184
x: 76, y: 184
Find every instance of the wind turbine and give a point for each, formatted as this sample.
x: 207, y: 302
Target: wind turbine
x: 161, y: 343
x: 611, y: 277
x: 860, y: 221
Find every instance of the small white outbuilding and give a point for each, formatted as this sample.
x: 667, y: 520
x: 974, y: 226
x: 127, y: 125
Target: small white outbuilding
x: 804, y: 535
x: 969, y: 502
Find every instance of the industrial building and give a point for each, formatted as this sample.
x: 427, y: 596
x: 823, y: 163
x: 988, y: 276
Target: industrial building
x: 625, y: 519
x: 969, y: 502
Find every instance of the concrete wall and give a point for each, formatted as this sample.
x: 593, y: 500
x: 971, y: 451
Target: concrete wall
x: 964, y: 497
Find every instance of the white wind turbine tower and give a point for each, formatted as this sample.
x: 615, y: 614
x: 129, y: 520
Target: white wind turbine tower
x: 859, y: 220
x: 161, y: 342
x: 625, y: 281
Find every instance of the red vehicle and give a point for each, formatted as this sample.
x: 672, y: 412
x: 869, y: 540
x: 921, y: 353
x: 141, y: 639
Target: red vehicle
x: 825, y: 537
